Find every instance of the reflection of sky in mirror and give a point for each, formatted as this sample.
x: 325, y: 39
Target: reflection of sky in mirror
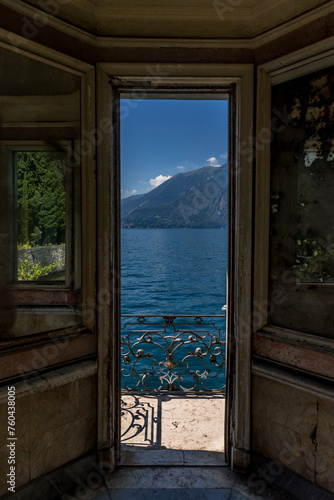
x: 310, y: 156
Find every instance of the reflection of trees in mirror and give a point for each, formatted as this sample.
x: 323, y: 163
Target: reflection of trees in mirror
x: 314, y: 259
x: 41, y: 208
x: 41, y: 198
x: 314, y: 252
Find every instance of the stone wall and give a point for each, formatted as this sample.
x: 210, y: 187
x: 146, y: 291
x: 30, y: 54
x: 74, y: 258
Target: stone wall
x: 294, y: 427
x: 45, y: 256
x: 55, y: 424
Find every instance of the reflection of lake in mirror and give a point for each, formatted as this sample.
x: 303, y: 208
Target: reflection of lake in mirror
x: 41, y: 215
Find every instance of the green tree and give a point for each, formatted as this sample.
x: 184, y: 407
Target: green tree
x: 24, y: 213
x: 41, y: 198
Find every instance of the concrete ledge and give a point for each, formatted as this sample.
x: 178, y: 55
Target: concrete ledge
x: 50, y: 380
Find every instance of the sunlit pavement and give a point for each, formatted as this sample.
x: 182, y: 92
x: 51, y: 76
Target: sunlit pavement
x: 174, y: 423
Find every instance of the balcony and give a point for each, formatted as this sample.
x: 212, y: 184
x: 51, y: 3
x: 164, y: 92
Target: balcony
x: 173, y: 389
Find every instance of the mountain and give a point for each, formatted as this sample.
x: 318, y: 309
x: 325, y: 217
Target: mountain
x: 129, y: 204
x: 196, y: 199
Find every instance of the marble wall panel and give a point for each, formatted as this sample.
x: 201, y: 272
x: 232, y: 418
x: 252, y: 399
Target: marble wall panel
x: 87, y: 397
x: 53, y: 427
x: 52, y: 409
x: 295, y: 428
x: 22, y: 419
x: 3, y: 418
x: 61, y: 445
x: 324, y: 466
x: 279, y: 443
x: 285, y: 405
x: 325, y: 423
x: 3, y: 469
x: 6, y: 366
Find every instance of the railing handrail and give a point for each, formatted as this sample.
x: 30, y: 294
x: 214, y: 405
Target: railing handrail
x: 173, y: 315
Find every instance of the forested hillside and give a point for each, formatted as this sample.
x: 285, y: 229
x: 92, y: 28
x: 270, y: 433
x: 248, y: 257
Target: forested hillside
x: 196, y: 199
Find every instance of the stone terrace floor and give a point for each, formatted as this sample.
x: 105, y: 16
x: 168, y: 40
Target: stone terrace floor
x: 180, y: 429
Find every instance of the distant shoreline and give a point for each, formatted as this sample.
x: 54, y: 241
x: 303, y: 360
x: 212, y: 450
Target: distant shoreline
x: 201, y: 228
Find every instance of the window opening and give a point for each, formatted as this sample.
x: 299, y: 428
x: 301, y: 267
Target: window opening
x: 40, y: 225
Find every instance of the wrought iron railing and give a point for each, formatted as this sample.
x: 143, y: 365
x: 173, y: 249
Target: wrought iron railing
x: 173, y: 353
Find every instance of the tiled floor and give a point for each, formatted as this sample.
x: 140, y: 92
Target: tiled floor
x: 184, y: 483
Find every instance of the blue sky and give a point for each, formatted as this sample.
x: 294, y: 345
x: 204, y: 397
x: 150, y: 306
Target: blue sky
x: 161, y: 138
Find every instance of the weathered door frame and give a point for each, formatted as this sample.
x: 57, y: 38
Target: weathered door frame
x: 239, y: 76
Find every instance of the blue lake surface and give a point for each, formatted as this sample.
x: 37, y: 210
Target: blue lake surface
x: 174, y: 271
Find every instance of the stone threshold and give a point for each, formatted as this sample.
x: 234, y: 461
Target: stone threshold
x: 186, y: 458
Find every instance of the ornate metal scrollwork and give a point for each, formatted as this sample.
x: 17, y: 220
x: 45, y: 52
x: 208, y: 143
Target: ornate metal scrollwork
x: 172, y: 353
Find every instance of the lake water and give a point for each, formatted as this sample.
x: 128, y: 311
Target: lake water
x: 173, y: 271
x: 177, y: 271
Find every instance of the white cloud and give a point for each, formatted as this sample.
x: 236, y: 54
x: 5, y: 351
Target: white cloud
x: 213, y: 162
x: 180, y: 167
x: 159, y: 180
x: 224, y: 156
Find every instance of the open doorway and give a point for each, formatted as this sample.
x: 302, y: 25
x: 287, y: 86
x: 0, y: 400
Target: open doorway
x: 174, y: 258
x: 235, y: 82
